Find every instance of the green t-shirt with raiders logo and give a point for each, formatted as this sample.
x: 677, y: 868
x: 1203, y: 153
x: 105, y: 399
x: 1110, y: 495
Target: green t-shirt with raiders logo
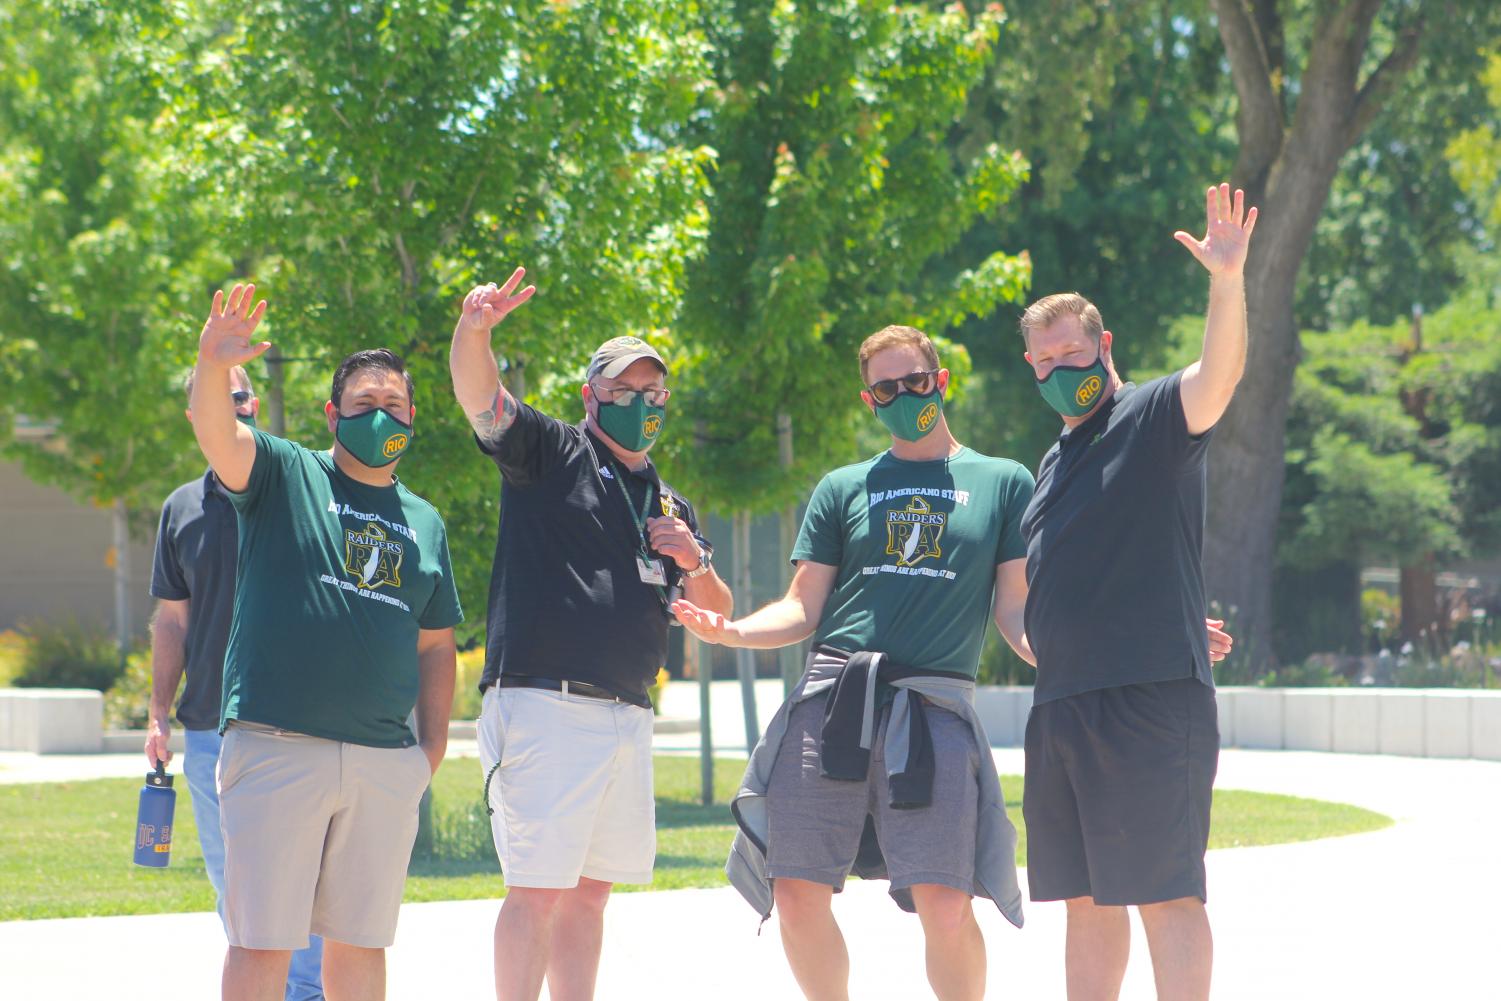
x: 917, y: 545
x: 335, y: 579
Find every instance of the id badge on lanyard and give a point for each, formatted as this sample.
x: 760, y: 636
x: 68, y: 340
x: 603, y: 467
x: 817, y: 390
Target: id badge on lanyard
x: 651, y: 570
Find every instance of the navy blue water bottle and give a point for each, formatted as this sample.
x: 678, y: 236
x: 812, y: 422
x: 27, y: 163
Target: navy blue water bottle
x: 154, y: 819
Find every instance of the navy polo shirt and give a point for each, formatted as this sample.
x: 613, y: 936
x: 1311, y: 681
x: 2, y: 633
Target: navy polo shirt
x: 196, y: 545
x: 1115, y: 537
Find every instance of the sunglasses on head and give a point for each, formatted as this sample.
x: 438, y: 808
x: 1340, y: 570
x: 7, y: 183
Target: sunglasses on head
x: 917, y: 383
x: 240, y: 396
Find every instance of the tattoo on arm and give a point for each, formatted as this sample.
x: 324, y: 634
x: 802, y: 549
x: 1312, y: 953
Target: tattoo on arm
x: 490, y: 425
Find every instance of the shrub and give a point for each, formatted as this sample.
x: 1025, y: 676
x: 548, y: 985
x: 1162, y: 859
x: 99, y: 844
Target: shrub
x: 127, y: 704
x: 12, y: 655
x: 466, y: 700
x: 1316, y: 672
x: 68, y: 655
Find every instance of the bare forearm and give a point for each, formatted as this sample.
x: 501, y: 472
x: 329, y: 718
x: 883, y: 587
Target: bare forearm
x: 711, y: 593
x: 168, y: 659
x: 1224, y: 355
x: 227, y: 444
x: 780, y: 623
x: 476, y: 382
x: 1012, y: 628
x: 436, y: 670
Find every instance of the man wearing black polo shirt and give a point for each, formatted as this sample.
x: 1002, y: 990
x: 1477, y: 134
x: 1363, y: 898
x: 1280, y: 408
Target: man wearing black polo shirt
x: 591, y: 544
x: 1123, y: 742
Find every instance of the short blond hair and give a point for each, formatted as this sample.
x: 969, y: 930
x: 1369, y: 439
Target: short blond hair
x: 896, y: 336
x: 1050, y: 309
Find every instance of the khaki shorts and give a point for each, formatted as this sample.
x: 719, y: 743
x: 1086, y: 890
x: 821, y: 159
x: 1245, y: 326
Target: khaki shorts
x: 317, y: 836
x: 573, y: 791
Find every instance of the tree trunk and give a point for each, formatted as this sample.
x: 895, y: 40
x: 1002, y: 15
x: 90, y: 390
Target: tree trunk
x: 1420, y: 608
x: 1286, y: 168
x: 1246, y: 467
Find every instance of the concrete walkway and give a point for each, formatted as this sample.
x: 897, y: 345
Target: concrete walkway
x: 1405, y: 913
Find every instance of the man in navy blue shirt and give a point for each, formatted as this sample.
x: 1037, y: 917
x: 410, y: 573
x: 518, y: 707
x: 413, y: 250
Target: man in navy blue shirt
x: 1123, y: 742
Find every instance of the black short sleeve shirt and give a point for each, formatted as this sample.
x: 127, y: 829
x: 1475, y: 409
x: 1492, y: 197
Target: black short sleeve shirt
x: 1115, y: 535
x: 566, y: 598
x: 194, y: 561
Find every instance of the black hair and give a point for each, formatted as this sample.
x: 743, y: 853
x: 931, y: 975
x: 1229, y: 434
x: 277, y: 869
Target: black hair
x: 372, y: 359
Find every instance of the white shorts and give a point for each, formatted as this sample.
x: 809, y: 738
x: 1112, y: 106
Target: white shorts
x: 573, y: 791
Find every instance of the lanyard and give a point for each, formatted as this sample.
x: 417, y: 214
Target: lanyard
x: 640, y: 521
x: 638, y: 518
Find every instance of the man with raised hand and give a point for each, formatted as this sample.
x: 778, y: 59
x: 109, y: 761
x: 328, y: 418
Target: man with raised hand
x: 193, y: 581
x: 1123, y: 740
x: 901, y: 562
x: 591, y: 544
x: 344, y: 614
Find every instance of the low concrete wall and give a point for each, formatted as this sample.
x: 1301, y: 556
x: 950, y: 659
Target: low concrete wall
x: 51, y: 720
x: 1417, y: 722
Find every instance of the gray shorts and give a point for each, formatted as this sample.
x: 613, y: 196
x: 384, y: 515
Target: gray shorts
x: 815, y: 823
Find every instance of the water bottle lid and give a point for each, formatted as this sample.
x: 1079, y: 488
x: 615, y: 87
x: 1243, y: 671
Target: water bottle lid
x: 159, y: 779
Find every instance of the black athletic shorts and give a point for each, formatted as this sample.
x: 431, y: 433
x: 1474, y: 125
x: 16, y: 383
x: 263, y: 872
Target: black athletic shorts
x: 1118, y: 788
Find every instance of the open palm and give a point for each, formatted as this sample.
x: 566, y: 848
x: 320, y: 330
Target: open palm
x: 1227, y: 235
x: 227, y: 337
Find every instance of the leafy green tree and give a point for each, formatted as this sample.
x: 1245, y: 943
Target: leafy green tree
x: 382, y: 158
x: 1125, y: 120
x: 834, y: 191
x: 102, y: 245
x: 1311, y: 79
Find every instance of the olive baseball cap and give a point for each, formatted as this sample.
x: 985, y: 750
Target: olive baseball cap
x: 617, y: 354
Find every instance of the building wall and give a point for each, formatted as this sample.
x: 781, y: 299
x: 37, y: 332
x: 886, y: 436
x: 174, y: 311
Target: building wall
x: 55, y: 555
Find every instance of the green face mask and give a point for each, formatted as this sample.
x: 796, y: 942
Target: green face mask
x: 1073, y: 390
x: 375, y: 438
x: 633, y: 426
x: 246, y: 419
x: 910, y: 417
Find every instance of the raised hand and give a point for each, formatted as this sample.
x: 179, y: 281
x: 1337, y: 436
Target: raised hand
x: 711, y: 627
x: 487, y: 305
x: 226, y: 338
x: 1227, y: 234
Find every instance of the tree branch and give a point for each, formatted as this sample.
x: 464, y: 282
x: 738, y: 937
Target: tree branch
x: 1259, y: 119
x: 1378, y: 87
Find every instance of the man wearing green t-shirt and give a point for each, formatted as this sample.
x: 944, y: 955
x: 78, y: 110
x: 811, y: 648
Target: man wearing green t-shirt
x: 901, y: 561
x: 343, y: 622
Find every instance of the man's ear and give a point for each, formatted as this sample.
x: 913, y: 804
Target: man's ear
x: 188, y: 413
x: 412, y: 417
x: 331, y: 413
x: 1027, y: 355
x: 870, y: 402
x: 944, y: 378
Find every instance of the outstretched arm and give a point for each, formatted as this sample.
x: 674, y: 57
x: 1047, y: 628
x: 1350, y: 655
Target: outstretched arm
x: 476, y: 377
x: 788, y: 620
x: 224, y: 343
x: 1209, y: 383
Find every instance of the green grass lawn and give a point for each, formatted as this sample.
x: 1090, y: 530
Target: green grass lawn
x: 65, y: 848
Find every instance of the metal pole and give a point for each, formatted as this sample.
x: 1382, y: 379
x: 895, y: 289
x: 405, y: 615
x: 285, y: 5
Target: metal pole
x: 745, y: 662
x: 789, y: 658
x: 276, y: 404
x: 122, y: 578
x: 700, y: 657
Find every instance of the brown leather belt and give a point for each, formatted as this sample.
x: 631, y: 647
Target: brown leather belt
x: 572, y: 688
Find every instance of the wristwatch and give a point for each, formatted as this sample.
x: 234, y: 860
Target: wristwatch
x: 705, y: 557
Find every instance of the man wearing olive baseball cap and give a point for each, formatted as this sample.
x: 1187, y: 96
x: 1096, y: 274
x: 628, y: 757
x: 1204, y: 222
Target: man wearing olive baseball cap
x: 591, y: 542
